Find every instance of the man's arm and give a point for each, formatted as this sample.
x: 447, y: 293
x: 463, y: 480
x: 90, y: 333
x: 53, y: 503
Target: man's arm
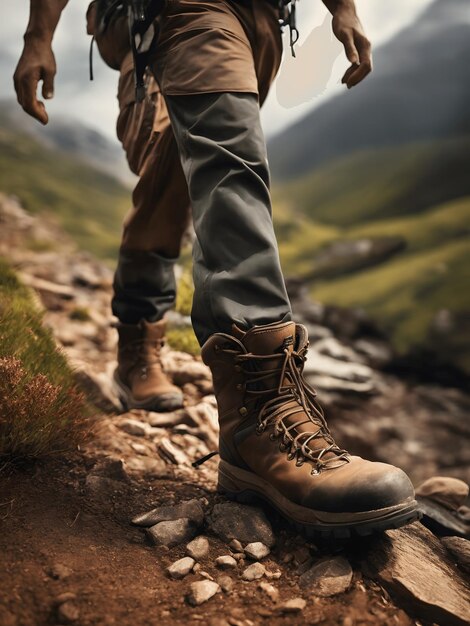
x: 37, y: 62
x: 348, y: 29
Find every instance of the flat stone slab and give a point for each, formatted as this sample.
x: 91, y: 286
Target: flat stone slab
x: 171, y: 533
x: 414, y: 567
x: 327, y: 577
x: 248, y: 524
x: 189, y: 509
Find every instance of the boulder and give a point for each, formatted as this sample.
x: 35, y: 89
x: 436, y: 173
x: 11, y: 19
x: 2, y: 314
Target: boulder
x: 414, y: 566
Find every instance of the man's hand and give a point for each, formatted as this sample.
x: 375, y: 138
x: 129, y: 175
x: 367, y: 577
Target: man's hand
x: 37, y: 63
x: 348, y: 29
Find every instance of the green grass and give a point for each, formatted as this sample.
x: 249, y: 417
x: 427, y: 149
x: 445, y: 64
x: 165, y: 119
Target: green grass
x: 380, y: 184
x: 41, y: 410
x: 88, y: 204
x: 420, y: 193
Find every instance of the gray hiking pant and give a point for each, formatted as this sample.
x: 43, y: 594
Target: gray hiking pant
x: 237, y: 273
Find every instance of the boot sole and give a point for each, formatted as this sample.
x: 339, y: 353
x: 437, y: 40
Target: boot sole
x: 247, y: 488
x: 162, y: 403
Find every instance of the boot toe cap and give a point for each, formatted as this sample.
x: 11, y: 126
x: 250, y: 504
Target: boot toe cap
x: 361, y: 486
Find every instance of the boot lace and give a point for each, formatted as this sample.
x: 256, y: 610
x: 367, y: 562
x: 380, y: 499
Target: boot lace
x: 291, y: 396
x: 145, y: 353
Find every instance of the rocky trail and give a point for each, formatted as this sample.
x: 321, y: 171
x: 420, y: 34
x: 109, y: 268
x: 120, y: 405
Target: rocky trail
x: 70, y: 555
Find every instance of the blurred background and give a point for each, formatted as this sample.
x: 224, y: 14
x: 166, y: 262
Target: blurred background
x: 371, y: 192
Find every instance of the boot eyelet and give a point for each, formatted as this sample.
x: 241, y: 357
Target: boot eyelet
x: 315, y: 472
x: 237, y: 368
x: 216, y: 348
x: 243, y: 410
x: 273, y: 437
x: 240, y: 387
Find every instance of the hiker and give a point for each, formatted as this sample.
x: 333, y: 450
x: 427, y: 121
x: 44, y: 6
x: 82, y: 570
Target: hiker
x: 195, y: 140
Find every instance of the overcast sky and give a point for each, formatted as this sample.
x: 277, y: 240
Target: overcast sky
x: 303, y: 82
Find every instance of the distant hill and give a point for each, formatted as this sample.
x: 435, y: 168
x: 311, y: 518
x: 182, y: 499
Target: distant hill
x: 419, y: 90
x: 71, y: 137
x: 387, y: 231
x: 55, y: 177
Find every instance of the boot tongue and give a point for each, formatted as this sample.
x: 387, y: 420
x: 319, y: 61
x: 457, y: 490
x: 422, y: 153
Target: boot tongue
x: 270, y: 339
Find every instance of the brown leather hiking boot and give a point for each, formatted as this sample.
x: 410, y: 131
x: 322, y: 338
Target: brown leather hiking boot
x: 139, y: 378
x: 275, y: 443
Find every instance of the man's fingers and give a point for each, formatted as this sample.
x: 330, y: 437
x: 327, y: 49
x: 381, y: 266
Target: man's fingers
x: 348, y: 72
x: 29, y: 101
x: 347, y: 39
x: 365, y: 62
x: 48, y: 85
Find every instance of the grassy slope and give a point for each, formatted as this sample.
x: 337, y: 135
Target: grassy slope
x: 379, y: 184
x: 87, y: 203
x: 421, y: 193
x: 41, y: 410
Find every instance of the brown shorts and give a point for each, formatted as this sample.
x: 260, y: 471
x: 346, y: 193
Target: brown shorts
x: 217, y: 45
x: 203, y: 46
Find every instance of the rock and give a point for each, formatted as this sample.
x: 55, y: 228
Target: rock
x: 198, y: 548
x: 330, y: 384
x: 168, y: 420
x: 111, y: 467
x: 98, y: 390
x: 189, y: 509
x: 254, y: 571
x: 65, y: 597
x: 414, y: 566
x: 332, y: 347
x: 225, y: 562
x: 256, y: 551
x: 171, y: 533
x: 181, y: 568
x: 192, y: 371
x: 322, y: 365
x: 235, y: 545
x: 273, y: 575
x: 134, y: 427
x: 201, y: 591
x: 327, y: 577
x: 99, y: 485
x: 230, y: 520
x: 447, y: 491
x: 59, y: 571
x: 377, y: 352
x: 171, y: 453
x: 269, y: 590
x: 140, y: 448
x: 295, y: 605
x: 226, y: 583
x: 67, y: 611
x: 459, y: 549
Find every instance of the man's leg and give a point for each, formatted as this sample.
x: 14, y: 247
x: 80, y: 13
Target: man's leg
x: 237, y: 274
x: 144, y: 283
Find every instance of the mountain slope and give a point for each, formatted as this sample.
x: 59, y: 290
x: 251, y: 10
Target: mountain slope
x: 411, y: 205
x: 419, y: 90
x: 88, y: 203
x: 71, y: 137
